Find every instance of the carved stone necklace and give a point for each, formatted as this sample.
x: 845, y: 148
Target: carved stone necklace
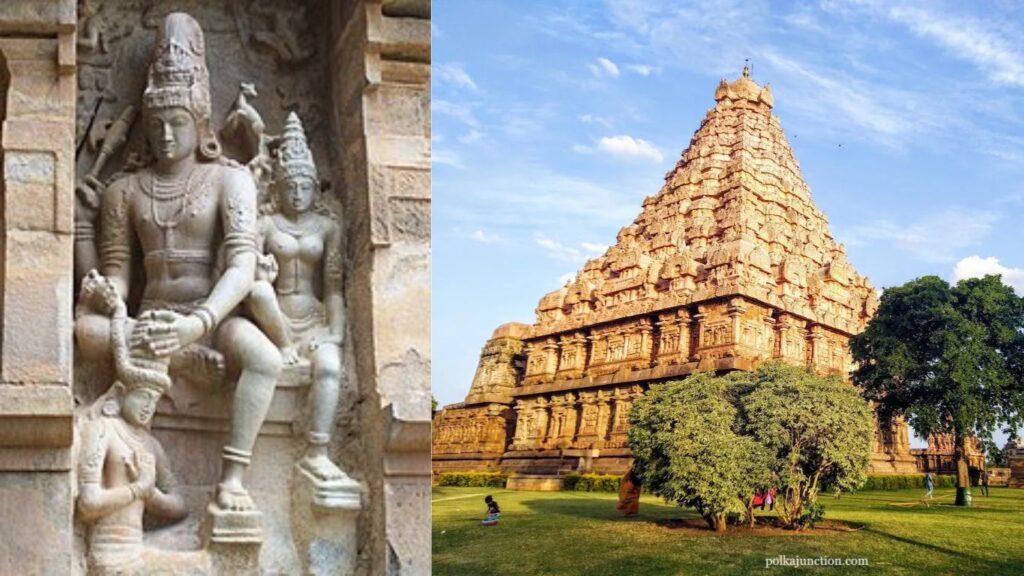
x: 182, y: 189
x: 309, y: 225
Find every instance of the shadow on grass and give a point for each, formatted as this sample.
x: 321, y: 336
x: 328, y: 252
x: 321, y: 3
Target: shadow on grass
x: 925, y: 545
x: 579, y: 505
x: 968, y: 564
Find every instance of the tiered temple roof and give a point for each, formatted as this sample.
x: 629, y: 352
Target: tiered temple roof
x: 733, y: 217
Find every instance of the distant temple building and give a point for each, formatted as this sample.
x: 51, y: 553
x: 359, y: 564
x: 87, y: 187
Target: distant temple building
x: 1013, y: 455
x: 728, y: 265
x: 938, y: 456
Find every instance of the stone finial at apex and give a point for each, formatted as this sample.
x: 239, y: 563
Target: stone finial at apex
x: 744, y: 88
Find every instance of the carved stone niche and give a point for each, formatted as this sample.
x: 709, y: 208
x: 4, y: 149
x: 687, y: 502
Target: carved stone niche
x: 274, y: 427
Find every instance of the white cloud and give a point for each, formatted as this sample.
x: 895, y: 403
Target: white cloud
x: 628, y: 147
x: 553, y: 202
x: 455, y: 74
x: 977, y: 266
x: 609, y: 67
x: 485, y: 237
x: 593, y: 119
x: 567, y: 253
x: 641, y: 69
x: 471, y: 137
x: 604, y: 67
x: 967, y: 39
x: 447, y: 158
x: 463, y: 112
x: 566, y: 278
x: 581, y: 149
x: 557, y: 250
x: 858, y: 104
x: 936, y: 237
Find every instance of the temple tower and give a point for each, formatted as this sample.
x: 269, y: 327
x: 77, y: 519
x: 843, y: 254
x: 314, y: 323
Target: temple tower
x: 728, y: 265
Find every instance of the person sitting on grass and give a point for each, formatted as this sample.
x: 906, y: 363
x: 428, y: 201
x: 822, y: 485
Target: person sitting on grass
x: 493, y: 512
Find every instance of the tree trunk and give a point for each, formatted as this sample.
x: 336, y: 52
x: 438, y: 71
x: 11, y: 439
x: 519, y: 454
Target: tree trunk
x: 716, y: 522
x: 793, y: 507
x: 963, y: 479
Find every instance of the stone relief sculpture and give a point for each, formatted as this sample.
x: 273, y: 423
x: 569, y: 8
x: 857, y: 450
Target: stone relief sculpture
x: 297, y: 298
x: 123, y: 470
x: 191, y: 215
x: 114, y: 415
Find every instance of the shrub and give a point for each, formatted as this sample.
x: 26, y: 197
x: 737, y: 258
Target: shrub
x: 904, y: 481
x: 473, y: 479
x: 591, y: 482
x: 710, y: 441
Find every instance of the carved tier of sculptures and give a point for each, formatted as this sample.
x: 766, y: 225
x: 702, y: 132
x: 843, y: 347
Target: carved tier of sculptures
x: 201, y: 286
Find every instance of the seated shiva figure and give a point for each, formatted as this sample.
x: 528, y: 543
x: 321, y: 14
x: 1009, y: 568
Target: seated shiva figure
x: 190, y: 217
x: 297, y: 299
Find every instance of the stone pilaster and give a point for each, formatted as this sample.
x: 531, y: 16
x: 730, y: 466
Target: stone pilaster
x: 37, y: 108
x: 380, y: 55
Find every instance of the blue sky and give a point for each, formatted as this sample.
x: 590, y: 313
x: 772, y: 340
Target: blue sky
x: 553, y: 120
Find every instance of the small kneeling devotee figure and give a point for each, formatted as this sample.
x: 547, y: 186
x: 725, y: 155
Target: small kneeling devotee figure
x: 123, y: 471
x: 297, y: 298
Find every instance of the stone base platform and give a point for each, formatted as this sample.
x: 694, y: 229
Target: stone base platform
x: 534, y: 482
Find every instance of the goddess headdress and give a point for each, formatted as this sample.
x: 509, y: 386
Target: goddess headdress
x: 178, y: 77
x: 294, y: 158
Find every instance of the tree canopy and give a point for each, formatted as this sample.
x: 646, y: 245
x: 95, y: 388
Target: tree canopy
x: 709, y: 441
x: 950, y: 359
x: 817, y: 428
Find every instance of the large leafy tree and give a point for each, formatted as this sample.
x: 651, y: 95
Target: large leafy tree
x: 709, y: 441
x: 817, y: 429
x: 948, y: 359
x: 687, y: 449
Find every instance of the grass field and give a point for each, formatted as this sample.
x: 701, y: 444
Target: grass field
x: 568, y: 533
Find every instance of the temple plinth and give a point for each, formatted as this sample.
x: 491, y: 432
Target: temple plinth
x: 728, y: 265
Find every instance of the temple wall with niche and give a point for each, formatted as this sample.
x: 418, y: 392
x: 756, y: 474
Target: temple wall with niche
x: 353, y: 78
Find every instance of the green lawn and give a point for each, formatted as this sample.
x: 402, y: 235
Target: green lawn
x: 580, y: 533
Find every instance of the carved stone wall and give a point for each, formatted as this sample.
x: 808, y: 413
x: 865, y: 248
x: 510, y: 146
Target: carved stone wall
x: 356, y: 76
x: 500, y: 367
x: 938, y: 456
x: 37, y: 107
x: 381, y: 109
x: 728, y: 265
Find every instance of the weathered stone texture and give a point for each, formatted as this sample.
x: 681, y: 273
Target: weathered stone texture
x: 36, y: 426
x: 357, y: 74
x: 381, y: 109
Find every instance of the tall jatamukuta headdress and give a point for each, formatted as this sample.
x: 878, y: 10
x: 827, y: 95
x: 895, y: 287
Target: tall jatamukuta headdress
x: 293, y: 155
x: 178, y: 76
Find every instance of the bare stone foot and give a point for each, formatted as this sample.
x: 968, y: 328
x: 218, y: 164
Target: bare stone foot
x: 232, y: 496
x: 322, y: 468
x: 201, y: 364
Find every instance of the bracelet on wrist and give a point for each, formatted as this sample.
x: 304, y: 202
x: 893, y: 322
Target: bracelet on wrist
x: 207, y: 317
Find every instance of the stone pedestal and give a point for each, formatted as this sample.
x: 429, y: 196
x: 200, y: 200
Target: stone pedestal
x: 233, y: 540
x: 324, y: 520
